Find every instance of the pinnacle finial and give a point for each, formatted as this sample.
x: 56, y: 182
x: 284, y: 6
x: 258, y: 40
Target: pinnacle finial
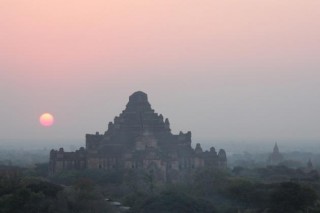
x: 138, y: 101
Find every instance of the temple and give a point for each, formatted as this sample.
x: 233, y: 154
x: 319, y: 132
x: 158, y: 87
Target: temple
x: 276, y: 157
x: 139, y: 138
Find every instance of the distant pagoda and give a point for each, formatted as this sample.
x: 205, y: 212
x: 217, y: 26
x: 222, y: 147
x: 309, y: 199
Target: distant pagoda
x: 139, y: 138
x: 276, y: 157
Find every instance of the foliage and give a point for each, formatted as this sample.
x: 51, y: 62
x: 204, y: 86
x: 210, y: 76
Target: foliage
x: 174, y: 202
x: 209, y: 190
x: 101, y: 177
x: 247, y: 194
x: 32, y: 195
x: 292, y: 197
x: 209, y: 181
x: 27, y: 195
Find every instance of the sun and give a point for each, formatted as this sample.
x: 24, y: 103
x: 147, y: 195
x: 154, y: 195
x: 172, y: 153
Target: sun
x: 46, y: 119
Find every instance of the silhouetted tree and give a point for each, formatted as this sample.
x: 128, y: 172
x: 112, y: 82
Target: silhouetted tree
x: 174, y: 202
x: 291, y: 197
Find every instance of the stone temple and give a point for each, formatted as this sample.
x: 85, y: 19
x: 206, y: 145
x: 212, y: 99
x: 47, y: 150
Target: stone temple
x: 139, y: 138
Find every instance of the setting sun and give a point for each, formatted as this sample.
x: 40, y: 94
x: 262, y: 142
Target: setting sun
x: 46, y: 119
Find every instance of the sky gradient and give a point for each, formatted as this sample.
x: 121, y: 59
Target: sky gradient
x: 231, y: 70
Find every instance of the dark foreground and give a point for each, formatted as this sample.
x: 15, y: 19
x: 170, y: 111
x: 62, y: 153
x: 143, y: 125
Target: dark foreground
x: 272, y: 189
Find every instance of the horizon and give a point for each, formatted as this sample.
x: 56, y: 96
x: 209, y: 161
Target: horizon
x: 230, y: 146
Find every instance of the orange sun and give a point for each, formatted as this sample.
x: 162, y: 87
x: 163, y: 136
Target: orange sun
x: 46, y: 119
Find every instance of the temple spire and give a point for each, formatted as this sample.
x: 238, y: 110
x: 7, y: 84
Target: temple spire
x: 276, y: 148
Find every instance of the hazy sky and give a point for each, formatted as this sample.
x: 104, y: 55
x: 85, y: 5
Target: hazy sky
x: 227, y: 69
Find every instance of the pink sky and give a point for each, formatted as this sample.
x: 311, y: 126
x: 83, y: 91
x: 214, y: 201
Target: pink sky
x: 232, y: 69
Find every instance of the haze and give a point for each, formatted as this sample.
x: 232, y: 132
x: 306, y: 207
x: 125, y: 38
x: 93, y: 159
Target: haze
x: 226, y: 70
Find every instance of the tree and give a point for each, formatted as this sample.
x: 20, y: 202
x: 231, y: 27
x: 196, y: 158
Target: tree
x: 174, y: 202
x: 210, y: 181
x: 291, y: 197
